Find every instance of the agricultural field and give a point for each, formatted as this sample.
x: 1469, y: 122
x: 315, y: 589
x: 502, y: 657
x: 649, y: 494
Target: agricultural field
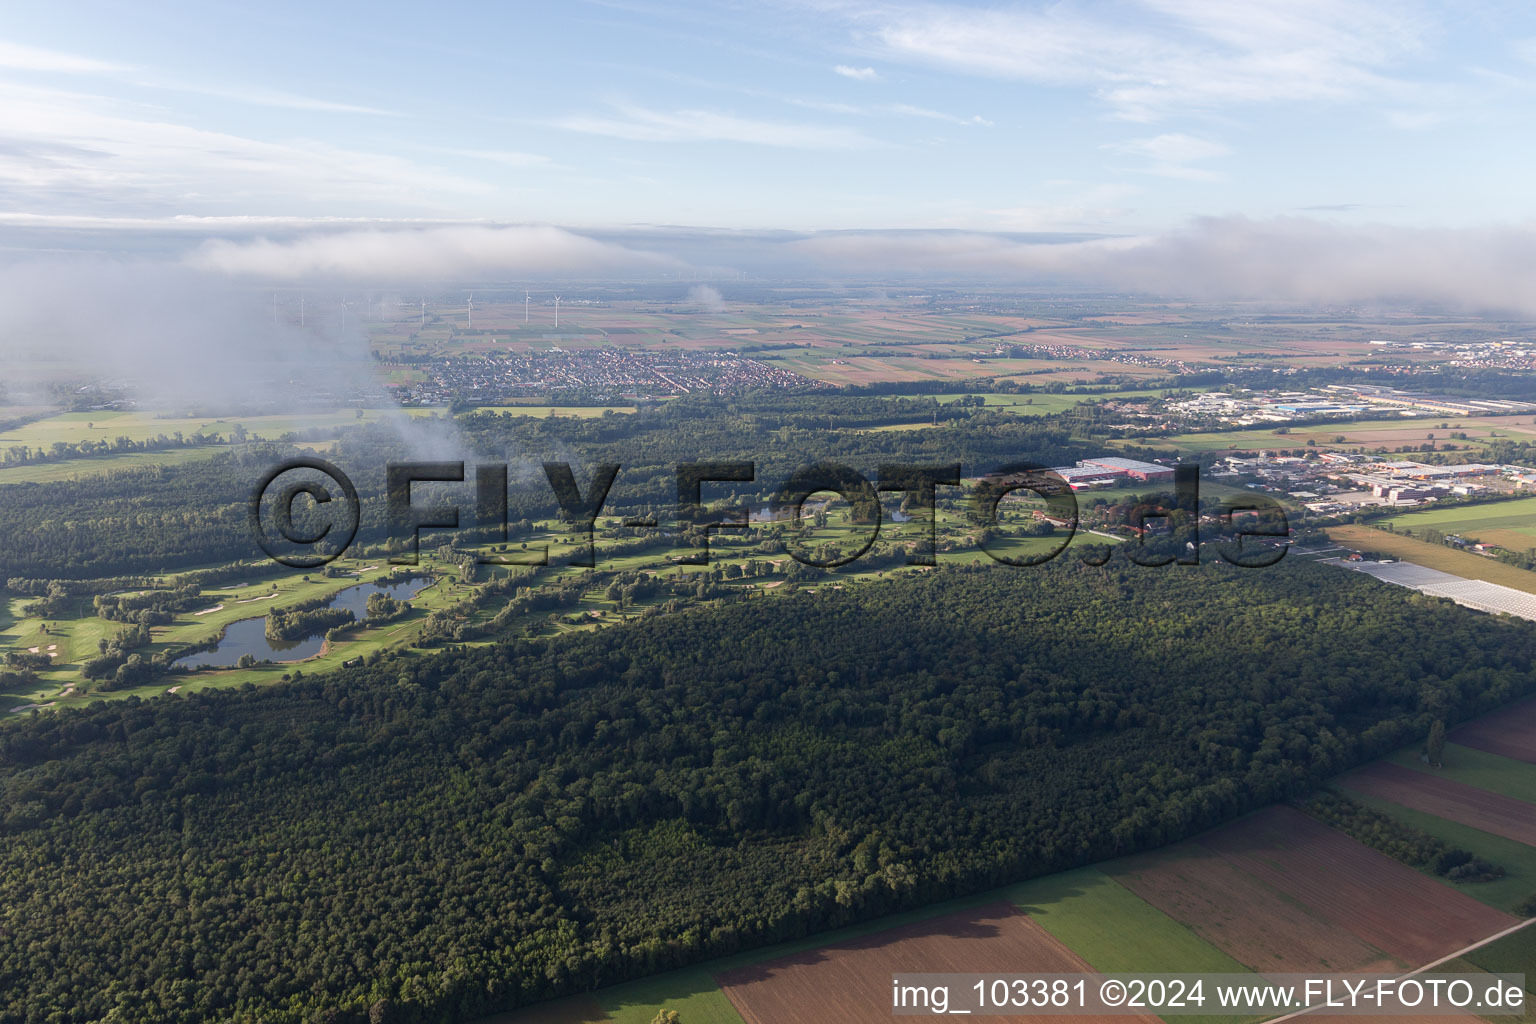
x: 1473, y: 801
x: 1275, y: 891
x: 1511, y: 734
x: 1434, y: 556
x: 850, y: 981
x: 1362, y: 435
x: 1509, y: 524
x: 1035, y: 404
x: 847, y: 342
x: 75, y: 469
x: 1379, y: 901
x: 1232, y: 910
x: 1482, y: 809
x: 106, y: 425
x: 1517, y: 860
x: 1479, y: 768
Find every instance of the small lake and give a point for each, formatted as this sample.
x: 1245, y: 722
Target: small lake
x: 249, y: 636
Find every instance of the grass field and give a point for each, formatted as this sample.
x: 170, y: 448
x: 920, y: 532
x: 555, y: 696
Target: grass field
x: 1517, y: 859
x: 107, y: 425
x: 546, y: 411
x: 1476, y: 768
x: 1036, y: 404
x: 1434, y: 556
x: 1514, y: 954
x: 1509, y: 524
x: 1360, y: 435
x: 1113, y: 928
x: 73, y: 469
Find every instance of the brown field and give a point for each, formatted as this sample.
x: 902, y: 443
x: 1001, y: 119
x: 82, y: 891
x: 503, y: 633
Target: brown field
x: 1377, y: 899
x: 1511, y: 733
x: 1243, y: 917
x: 1455, y: 801
x: 850, y: 982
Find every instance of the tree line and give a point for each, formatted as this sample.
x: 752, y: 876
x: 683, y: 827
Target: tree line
x: 439, y: 838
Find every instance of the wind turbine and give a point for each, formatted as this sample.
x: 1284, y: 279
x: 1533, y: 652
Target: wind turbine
x: 301, y: 309
x: 343, y: 316
x: 423, y: 312
x: 471, y: 310
x: 525, y: 305
x: 557, y: 311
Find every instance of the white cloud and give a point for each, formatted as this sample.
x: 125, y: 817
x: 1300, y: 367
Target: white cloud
x: 857, y: 74
x: 640, y: 124
x: 276, y: 98
x: 908, y: 110
x: 207, y: 225
x: 30, y: 58
x: 87, y: 154
x: 1071, y: 206
x: 1148, y: 58
x: 1284, y: 260
x: 1415, y: 120
x: 1171, y: 155
x: 504, y: 157
x: 428, y: 254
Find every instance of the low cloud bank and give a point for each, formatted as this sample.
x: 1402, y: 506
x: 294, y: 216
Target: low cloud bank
x: 1288, y: 260
x: 437, y: 254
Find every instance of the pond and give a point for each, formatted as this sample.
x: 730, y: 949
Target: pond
x: 249, y: 636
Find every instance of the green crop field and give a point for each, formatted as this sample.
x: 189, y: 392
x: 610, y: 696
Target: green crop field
x: 1513, y: 954
x: 1510, y: 524
x: 1113, y: 928
x: 1477, y: 768
x: 1117, y: 931
x: 107, y: 425
x: 74, y: 469
x: 1517, y: 859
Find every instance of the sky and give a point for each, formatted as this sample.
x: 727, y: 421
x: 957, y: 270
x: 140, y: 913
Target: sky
x: 1304, y: 151
x: 1107, y: 117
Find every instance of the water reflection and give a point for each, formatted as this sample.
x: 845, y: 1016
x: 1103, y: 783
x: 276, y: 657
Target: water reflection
x: 249, y: 636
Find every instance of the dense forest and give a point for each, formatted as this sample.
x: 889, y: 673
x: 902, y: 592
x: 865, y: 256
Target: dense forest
x: 434, y: 838
x: 164, y: 518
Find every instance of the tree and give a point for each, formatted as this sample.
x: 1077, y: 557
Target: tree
x: 1434, y: 747
x: 666, y: 1017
